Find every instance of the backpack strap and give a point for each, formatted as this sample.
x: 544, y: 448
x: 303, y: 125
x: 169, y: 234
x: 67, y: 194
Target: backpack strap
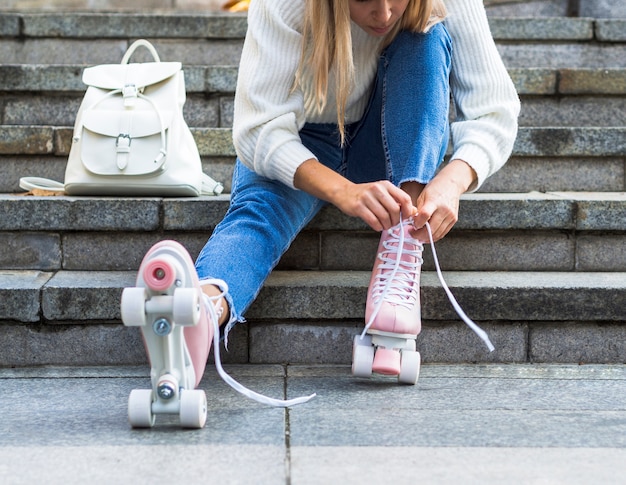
x: 209, y: 185
x: 32, y: 183
x: 135, y: 45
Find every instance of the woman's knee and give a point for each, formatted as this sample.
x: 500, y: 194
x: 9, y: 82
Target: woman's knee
x: 434, y: 46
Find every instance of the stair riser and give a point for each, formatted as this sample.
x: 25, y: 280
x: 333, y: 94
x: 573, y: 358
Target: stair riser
x: 461, y: 250
x: 520, y: 174
x: 83, y: 297
x: 204, y: 79
x: 538, y: 142
x: 217, y: 110
x: 547, y: 174
x: 309, y: 343
x: 28, y: 110
x: 602, y: 25
x: 45, y: 40
x: 511, y: 232
x: 91, y: 52
x: 227, y: 52
x: 113, y: 5
x: 547, y: 159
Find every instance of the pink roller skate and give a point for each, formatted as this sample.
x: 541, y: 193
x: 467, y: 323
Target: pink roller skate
x: 167, y: 304
x: 178, y: 323
x: 387, y: 345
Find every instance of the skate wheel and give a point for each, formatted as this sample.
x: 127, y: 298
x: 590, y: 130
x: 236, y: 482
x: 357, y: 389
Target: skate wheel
x: 186, y: 309
x: 133, y: 307
x: 409, y: 367
x: 366, y: 341
x: 410, y: 345
x: 386, y: 362
x: 193, y: 408
x: 140, y: 408
x: 362, y: 356
x: 159, y: 274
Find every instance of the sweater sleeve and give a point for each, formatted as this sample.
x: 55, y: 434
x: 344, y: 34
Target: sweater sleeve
x: 487, y: 104
x: 268, y: 113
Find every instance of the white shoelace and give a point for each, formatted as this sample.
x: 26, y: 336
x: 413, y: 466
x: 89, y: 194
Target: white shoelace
x: 388, y: 285
x: 213, y: 315
x: 397, y: 286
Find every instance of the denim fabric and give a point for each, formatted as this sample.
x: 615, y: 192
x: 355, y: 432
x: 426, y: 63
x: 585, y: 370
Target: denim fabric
x: 402, y: 137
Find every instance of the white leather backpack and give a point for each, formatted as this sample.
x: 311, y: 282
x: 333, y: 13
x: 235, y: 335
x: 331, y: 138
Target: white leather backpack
x: 130, y: 137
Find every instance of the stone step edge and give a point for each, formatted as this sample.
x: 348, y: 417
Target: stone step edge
x: 91, y: 296
x: 213, y: 25
x: 570, y: 211
x: 67, y: 78
x: 217, y: 142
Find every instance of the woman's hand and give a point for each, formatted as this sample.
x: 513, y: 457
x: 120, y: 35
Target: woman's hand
x: 438, y: 202
x: 378, y: 204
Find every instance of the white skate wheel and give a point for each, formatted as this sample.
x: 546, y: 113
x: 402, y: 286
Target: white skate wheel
x: 186, y: 309
x: 366, y: 341
x: 193, y: 408
x: 409, y: 367
x: 362, y: 357
x: 133, y: 307
x: 140, y: 408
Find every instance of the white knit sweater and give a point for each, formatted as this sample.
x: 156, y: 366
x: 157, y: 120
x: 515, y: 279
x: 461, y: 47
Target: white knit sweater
x: 269, y: 113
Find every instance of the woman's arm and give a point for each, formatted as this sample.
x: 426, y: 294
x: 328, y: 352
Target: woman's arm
x: 487, y: 107
x: 487, y: 104
x: 268, y: 112
x: 377, y: 203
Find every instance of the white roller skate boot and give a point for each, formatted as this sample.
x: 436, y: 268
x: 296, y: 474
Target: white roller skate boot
x: 167, y: 304
x: 392, y: 313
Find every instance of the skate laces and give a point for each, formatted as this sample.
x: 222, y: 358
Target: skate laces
x: 210, y: 302
x: 396, y: 282
x: 387, y: 284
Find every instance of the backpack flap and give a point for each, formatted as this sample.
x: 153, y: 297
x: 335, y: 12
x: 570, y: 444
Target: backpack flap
x: 140, y: 75
x: 125, y: 142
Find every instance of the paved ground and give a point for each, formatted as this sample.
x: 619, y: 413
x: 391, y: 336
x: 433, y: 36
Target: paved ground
x: 461, y: 424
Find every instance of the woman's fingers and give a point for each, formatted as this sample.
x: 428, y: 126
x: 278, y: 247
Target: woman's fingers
x: 380, y: 204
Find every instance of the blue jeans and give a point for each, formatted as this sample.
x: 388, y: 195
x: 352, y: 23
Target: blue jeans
x: 402, y: 137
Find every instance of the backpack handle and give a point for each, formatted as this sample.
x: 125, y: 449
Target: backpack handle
x: 140, y: 43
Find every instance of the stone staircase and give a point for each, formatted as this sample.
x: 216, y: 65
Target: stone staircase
x: 538, y: 257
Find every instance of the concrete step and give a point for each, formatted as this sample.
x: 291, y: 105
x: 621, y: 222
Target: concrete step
x: 497, y: 232
x: 114, y: 5
x: 544, y: 158
x: 556, y: 8
x: 211, y: 38
x: 51, y: 95
x: 531, y: 141
x: 530, y: 317
x: 506, y: 7
x: 212, y: 25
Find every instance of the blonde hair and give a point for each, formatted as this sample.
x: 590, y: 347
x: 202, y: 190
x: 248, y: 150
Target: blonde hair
x: 327, y: 45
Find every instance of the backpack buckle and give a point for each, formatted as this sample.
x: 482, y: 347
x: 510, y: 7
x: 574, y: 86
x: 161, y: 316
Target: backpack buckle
x: 130, y: 93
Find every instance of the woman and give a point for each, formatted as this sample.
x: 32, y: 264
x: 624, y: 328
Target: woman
x: 347, y: 102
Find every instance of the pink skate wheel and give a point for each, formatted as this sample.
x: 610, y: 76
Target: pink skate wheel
x: 159, y: 275
x: 387, y: 362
